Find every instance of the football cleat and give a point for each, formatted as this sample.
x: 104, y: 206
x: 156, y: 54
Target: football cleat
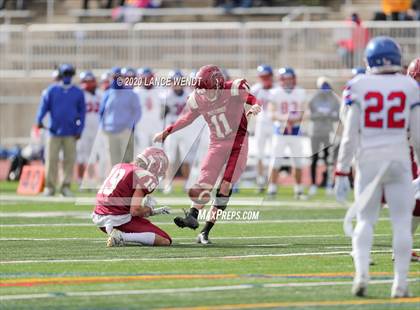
x: 66, y: 192
x: 203, y: 238
x: 399, y: 292
x: 301, y: 196
x: 187, y: 221
x: 48, y: 192
x: 312, y: 190
x: 329, y: 190
x: 359, y: 289
x: 115, y: 239
x: 167, y: 190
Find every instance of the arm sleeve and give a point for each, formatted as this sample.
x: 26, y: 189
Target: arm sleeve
x: 415, y: 130
x: 350, y: 139
x: 240, y: 87
x: 183, y: 121
x: 81, y: 107
x: 244, y: 92
x: 44, y: 106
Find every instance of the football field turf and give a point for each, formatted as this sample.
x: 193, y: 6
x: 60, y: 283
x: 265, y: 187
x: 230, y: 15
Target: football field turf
x: 294, y: 256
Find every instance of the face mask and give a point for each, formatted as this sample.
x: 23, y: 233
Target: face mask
x: 325, y: 86
x: 66, y: 80
x: 179, y: 92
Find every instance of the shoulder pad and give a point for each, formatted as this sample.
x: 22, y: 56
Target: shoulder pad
x: 145, y: 180
x: 192, y: 102
x: 237, y: 85
x: 140, y: 173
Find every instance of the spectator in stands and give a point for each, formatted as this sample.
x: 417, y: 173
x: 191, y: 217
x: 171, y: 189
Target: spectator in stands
x: 396, y: 10
x: 324, y: 113
x: 145, y: 4
x: 19, y: 4
x: 108, y: 5
x: 119, y: 113
x: 352, y: 48
x: 414, y: 13
x: 229, y: 4
x: 65, y: 104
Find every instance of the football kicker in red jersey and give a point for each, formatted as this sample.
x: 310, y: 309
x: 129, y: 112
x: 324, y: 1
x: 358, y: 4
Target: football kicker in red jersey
x: 225, y: 106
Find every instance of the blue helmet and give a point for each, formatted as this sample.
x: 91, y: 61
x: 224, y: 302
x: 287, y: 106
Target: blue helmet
x: 127, y: 71
x: 66, y: 70
x: 115, y: 71
x: 175, y: 74
x: 193, y: 73
x: 383, y: 54
x: 358, y: 70
x: 86, y: 76
x: 264, y: 70
x: 144, y: 71
x: 286, y: 71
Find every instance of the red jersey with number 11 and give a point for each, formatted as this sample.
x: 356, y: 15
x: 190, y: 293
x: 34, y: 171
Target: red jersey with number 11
x: 114, y: 196
x: 226, y: 116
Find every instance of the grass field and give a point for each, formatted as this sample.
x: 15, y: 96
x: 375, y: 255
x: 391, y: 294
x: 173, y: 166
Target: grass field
x: 295, y: 256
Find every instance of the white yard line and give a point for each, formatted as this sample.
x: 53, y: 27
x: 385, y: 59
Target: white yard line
x: 288, y: 221
x: 95, y: 260
x: 171, y: 201
x: 182, y: 290
x: 190, y: 238
x: 44, y: 214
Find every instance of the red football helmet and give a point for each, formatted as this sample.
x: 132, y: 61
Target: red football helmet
x: 153, y: 159
x: 414, y: 69
x: 209, y: 82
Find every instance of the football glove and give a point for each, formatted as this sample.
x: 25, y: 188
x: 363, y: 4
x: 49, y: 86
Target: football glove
x: 341, y: 188
x: 151, y: 203
x: 416, y: 184
x: 254, y: 110
x: 161, y: 210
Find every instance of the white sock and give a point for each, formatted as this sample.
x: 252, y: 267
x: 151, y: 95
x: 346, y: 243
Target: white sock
x: 272, y: 188
x: 402, y: 244
x: 146, y: 238
x: 298, y: 188
x: 414, y: 224
x: 362, y: 244
x: 260, y: 180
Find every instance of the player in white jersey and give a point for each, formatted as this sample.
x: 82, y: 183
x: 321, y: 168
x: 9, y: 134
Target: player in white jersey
x: 174, y: 99
x: 382, y: 106
x: 287, y: 109
x: 263, y: 123
x: 85, y: 144
x: 152, y: 110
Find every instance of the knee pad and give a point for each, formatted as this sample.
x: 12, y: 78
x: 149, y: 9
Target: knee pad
x: 199, y: 194
x: 221, y: 200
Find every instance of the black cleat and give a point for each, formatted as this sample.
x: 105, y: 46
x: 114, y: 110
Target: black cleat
x: 187, y: 221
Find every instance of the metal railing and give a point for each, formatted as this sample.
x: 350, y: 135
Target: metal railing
x: 307, y: 46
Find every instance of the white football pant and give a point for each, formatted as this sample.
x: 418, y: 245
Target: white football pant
x: 398, y: 191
